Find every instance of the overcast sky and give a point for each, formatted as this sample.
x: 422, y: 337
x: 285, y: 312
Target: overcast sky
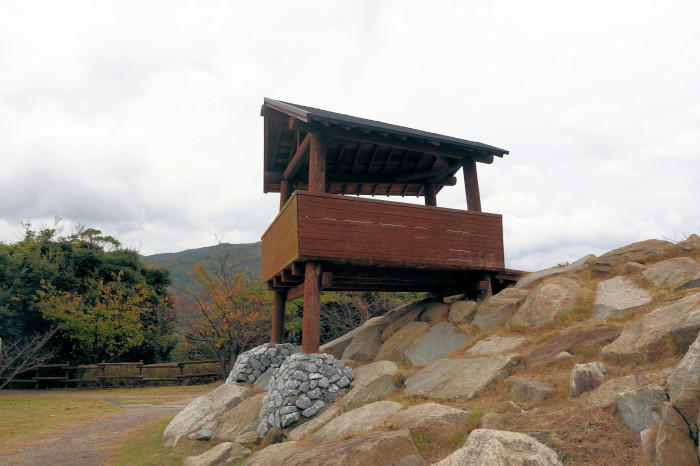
x: 142, y: 118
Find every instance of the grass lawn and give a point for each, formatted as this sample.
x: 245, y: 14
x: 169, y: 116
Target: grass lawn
x: 27, y: 418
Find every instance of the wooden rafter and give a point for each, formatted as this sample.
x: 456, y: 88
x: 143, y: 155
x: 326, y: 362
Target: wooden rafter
x: 300, y: 156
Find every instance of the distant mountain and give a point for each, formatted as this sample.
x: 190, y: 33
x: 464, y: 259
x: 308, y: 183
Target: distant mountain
x: 180, y: 264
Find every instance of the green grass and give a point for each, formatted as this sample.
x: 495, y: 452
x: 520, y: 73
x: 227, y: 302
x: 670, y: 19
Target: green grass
x: 27, y: 418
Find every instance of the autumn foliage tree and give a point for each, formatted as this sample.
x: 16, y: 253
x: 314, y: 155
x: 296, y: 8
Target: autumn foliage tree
x: 229, y: 315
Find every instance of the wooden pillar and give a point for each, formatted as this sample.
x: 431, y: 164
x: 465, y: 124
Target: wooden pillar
x: 471, y: 186
x: 317, y: 164
x: 311, y: 332
x: 278, y: 317
x: 430, y: 194
x: 285, y: 192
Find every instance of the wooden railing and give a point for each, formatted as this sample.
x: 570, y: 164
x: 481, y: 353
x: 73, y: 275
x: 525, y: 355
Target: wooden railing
x: 104, y: 373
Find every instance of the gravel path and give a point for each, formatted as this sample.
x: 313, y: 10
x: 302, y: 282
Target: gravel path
x: 89, y: 443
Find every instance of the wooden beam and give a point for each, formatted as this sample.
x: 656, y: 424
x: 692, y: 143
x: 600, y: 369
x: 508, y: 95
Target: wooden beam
x: 317, y: 163
x: 430, y: 194
x: 296, y: 292
x: 311, y: 328
x: 471, y: 186
x: 276, y: 177
x: 278, y: 317
x: 298, y: 159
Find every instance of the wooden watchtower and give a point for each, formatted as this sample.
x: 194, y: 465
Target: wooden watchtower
x: 326, y: 237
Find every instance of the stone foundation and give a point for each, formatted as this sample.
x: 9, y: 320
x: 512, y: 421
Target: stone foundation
x: 251, y: 364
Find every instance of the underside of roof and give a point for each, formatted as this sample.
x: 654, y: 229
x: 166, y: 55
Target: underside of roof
x: 363, y: 157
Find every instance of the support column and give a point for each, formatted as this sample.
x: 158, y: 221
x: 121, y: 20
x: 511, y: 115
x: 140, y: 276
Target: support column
x: 471, y: 186
x: 317, y: 164
x: 285, y: 192
x: 311, y: 332
x: 430, y: 194
x: 278, y: 317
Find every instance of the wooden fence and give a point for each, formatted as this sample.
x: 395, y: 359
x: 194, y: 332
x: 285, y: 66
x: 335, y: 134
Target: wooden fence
x: 106, y: 373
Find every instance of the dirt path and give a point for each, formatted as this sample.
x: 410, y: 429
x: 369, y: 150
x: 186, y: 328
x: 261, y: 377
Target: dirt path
x: 90, y: 443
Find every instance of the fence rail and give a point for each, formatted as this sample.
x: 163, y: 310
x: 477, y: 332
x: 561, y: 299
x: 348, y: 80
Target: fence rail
x: 100, y: 373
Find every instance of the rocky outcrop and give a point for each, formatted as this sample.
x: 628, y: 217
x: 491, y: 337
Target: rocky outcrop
x: 672, y: 272
x: 368, y: 331
x: 410, y: 313
x: 617, y: 297
x: 494, y: 344
x: 253, y: 363
x: 604, y: 395
x: 394, y: 447
x: 439, y: 341
x: 498, y: 308
x: 203, y: 411
x: 300, y: 388
x: 684, y: 333
x: 553, y: 297
x: 585, y: 377
x: 574, y: 342
x: 646, y: 337
x: 394, y: 348
x: 434, y: 312
x: 432, y: 420
x: 314, y: 424
x: 673, y: 442
x: 274, y: 454
x: 577, y: 266
x: 221, y: 453
x: 461, y: 312
x: 239, y: 420
x: 642, y: 250
x: 499, y: 447
x: 640, y: 408
x: 356, y: 421
x: 372, y: 382
x: 530, y: 390
x: 452, y: 378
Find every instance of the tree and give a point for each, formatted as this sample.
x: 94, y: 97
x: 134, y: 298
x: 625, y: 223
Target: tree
x: 23, y: 355
x: 231, y: 314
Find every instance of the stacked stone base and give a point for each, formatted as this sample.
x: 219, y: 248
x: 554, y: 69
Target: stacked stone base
x: 300, y: 388
x: 251, y: 364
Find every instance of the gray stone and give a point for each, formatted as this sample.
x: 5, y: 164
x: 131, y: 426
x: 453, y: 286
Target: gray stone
x: 313, y: 409
x: 203, y: 434
x: 686, y: 331
x: 393, y: 447
x: 461, y: 312
x: 633, y: 267
x: 365, y: 345
x: 314, y: 424
x: 291, y: 418
x: 499, y: 447
x: 439, y: 341
x: 647, y: 336
x: 432, y: 420
x: 604, y: 395
x: 640, y: 408
x: 673, y: 442
x: 394, y: 347
x: 264, y: 379
x: 273, y: 455
x: 577, y: 266
x: 672, y: 272
x: 203, y: 411
x: 453, y: 378
x: 498, y: 308
x: 586, y: 341
x: 494, y: 344
x: 642, y: 250
x: 684, y: 385
x: 356, y: 421
x: 413, y: 312
x: 338, y: 346
x: 690, y: 284
x: 216, y: 455
x: 372, y: 381
x: 299, y: 375
x: 585, y: 377
x: 238, y: 420
x: 618, y: 296
x: 691, y: 243
x: 253, y: 363
x: 530, y: 390
x: 554, y: 296
x: 303, y: 402
x: 434, y: 312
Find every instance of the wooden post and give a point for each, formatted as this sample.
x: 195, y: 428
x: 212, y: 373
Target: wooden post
x: 430, y: 194
x: 278, y: 317
x: 317, y: 164
x: 311, y: 332
x: 285, y: 192
x: 471, y: 185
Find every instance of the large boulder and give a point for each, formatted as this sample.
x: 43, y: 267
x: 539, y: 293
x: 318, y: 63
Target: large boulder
x: 554, y: 296
x: 501, y: 448
x: 494, y: 344
x: 604, y: 395
x: 454, y: 378
x: 434, y: 312
x: 672, y: 272
x: 204, y: 411
x: 684, y: 386
x: 575, y: 341
x: 640, y: 408
x: 439, y: 341
x: 640, y: 251
x: 393, y: 348
x: 498, y: 308
x: 274, y: 454
x: 366, y: 343
x: 372, y: 327
x: 691, y: 243
x: 461, y: 312
x: 356, y: 421
x: 433, y: 420
x: 410, y: 312
x: 577, y: 266
x: 239, y: 420
x: 585, y: 377
x: 372, y: 381
x: 646, y: 337
x: 220, y: 454
x: 686, y: 331
x: 690, y: 284
x: 673, y: 442
x: 530, y: 390
x: 394, y: 447
x: 618, y: 296
x: 314, y: 424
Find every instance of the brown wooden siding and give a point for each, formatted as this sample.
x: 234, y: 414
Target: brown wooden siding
x: 370, y: 232
x: 280, y: 243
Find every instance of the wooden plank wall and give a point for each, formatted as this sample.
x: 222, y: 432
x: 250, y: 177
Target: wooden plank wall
x: 382, y: 233
x: 280, y: 243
